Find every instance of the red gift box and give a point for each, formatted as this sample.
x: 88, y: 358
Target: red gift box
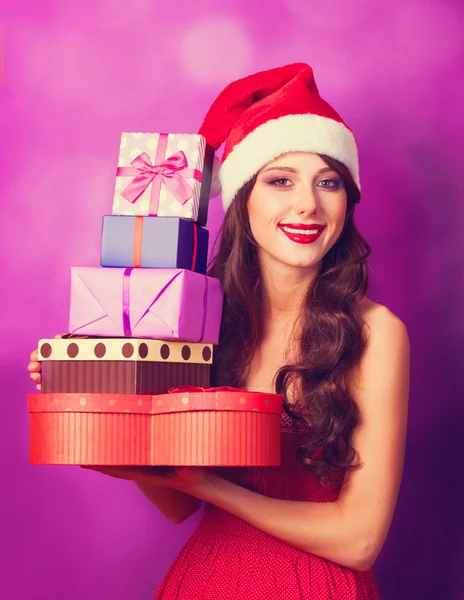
x: 189, y: 426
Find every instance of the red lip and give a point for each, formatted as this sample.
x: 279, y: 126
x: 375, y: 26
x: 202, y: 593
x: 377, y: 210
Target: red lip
x: 302, y: 238
x: 302, y: 226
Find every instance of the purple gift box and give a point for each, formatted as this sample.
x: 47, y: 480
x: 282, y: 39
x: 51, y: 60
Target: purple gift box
x: 169, y: 304
x: 153, y: 242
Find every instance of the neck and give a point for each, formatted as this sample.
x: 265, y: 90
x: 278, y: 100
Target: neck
x: 283, y: 290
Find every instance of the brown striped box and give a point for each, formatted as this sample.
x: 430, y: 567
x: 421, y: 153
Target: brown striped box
x: 122, y: 365
x: 211, y: 427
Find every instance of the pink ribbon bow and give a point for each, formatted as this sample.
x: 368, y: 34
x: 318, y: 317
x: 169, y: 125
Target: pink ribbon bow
x: 169, y: 172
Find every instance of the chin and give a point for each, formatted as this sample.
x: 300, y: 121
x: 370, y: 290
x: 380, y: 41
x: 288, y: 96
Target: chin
x: 298, y: 263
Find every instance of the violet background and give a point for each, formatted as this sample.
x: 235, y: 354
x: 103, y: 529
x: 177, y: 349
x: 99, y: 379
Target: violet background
x: 76, y: 74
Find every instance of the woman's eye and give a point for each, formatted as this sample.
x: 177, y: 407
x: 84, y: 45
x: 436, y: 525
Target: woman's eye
x: 281, y: 182
x: 334, y: 184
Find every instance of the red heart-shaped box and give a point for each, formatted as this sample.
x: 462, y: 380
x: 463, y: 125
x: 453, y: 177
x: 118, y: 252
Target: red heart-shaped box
x: 189, y: 426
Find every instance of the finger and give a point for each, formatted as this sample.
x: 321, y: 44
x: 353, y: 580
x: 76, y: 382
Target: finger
x: 35, y: 355
x: 58, y: 336
x: 159, y: 470
x: 105, y: 470
x: 39, y: 387
x: 94, y: 468
x: 36, y: 377
x: 158, y: 476
x: 154, y: 480
x: 34, y: 366
x: 188, y: 469
x: 117, y: 472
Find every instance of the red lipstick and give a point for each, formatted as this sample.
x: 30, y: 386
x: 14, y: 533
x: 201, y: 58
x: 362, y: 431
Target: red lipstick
x: 297, y: 232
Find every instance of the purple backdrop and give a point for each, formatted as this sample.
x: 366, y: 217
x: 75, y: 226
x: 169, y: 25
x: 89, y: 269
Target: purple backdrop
x: 76, y: 74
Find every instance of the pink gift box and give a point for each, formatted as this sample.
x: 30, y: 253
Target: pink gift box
x: 165, y: 304
x: 165, y: 175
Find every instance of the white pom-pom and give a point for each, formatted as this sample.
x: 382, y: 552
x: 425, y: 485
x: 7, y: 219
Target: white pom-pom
x: 215, y: 181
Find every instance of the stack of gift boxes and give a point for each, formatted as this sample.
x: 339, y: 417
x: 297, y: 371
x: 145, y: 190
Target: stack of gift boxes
x: 143, y: 326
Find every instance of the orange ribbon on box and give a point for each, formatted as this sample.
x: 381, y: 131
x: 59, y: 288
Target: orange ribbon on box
x: 138, y: 233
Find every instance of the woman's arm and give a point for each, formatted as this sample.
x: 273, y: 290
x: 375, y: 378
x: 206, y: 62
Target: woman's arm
x: 352, y: 530
x: 174, y: 504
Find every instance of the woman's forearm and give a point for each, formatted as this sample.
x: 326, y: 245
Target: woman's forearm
x: 319, y: 528
x: 174, y: 504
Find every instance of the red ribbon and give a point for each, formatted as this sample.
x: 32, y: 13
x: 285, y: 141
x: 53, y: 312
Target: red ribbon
x: 170, y: 171
x: 195, y: 246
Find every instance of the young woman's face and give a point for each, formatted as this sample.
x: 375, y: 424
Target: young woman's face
x: 292, y: 197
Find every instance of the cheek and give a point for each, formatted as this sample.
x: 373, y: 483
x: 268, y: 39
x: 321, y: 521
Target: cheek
x: 264, y: 211
x: 343, y: 214
x: 337, y: 212
x: 257, y: 223
x: 257, y: 213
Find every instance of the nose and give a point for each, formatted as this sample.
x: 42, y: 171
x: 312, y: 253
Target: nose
x: 305, y: 201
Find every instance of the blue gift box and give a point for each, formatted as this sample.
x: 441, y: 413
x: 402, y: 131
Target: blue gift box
x: 153, y: 242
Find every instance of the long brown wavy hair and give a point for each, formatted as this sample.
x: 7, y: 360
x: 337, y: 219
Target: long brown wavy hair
x: 331, y: 341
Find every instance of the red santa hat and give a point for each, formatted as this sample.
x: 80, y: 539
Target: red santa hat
x: 268, y: 114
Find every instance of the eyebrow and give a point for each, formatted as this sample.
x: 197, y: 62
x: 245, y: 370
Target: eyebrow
x: 292, y: 170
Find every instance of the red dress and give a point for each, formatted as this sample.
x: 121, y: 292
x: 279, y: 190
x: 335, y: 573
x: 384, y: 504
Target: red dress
x: 226, y: 558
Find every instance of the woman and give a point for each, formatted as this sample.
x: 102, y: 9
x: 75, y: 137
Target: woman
x: 296, y: 321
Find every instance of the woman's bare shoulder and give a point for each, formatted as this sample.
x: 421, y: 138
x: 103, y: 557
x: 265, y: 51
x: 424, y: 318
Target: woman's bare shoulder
x: 374, y: 313
x: 381, y: 328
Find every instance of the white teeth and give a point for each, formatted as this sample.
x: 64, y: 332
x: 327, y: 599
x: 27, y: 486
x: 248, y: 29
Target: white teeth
x: 300, y: 231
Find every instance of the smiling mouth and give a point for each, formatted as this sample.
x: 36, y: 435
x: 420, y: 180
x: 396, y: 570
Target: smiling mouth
x: 302, y: 234
x: 301, y: 231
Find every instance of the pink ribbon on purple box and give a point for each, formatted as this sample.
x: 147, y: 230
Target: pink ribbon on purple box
x: 126, y: 320
x: 171, y: 171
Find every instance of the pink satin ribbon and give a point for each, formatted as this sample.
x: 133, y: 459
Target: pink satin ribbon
x: 126, y: 320
x: 170, y: 171
x: 126, y: 303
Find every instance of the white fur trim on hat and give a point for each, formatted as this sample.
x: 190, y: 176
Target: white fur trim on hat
x: 291, y: 133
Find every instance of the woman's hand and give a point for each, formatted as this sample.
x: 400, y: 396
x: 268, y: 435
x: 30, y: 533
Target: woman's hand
x: 34, y: 366
x: 185, y: 479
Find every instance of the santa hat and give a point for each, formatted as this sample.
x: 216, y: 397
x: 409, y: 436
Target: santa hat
x: 268, y: 114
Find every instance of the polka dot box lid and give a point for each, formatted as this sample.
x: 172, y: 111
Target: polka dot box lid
x: 187, y: 398
x: 125, y: 349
